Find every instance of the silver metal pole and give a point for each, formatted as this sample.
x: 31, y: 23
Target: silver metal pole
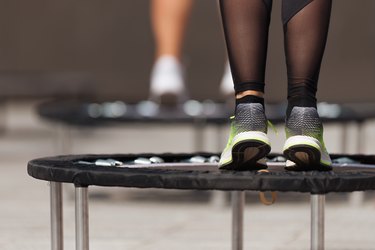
x: 317, y: 221
x: 57, y: 241
x: 199, y: 126
x: 357, y: 199
x: 82, y: 218
x: 64, y: 139
x: 238, y: 203
x: 218, y: 198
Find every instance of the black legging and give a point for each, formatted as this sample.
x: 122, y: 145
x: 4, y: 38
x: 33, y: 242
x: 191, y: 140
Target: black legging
x: 305, y: 25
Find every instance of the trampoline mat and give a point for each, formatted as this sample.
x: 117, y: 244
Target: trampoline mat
x: 354, y: 173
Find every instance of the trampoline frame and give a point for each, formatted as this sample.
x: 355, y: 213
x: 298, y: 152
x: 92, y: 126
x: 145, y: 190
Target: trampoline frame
x: 238, y: 203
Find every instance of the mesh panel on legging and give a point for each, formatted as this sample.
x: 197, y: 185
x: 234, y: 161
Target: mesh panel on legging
x: 246, y: 25
x: 305, y: 34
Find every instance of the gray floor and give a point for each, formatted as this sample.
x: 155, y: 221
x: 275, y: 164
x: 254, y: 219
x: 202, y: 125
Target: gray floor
x: 155, y: 219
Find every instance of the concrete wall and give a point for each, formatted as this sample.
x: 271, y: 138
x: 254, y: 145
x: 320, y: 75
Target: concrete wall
x: 112, y: 41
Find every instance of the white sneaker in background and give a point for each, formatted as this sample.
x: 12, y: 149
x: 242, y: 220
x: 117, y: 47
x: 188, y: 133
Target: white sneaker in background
x: 167, y: 80
x: 226, y: 85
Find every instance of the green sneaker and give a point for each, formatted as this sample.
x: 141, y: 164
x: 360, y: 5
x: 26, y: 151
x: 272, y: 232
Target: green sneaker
x: 304, y: 147
x: 248, y: 142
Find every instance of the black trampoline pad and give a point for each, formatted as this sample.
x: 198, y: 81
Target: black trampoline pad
x: 359, y: 176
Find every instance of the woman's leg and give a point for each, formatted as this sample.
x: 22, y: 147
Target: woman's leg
x: 246, y: 25
x: 306, y: 25
x: 169, y: 19
x: 305, y: 32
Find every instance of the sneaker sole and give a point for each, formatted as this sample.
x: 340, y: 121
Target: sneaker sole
x: 307, y: 156
x: 245, y: 155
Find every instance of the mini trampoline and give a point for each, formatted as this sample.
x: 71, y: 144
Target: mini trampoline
x: 195, y: 172
x: 91, y: 113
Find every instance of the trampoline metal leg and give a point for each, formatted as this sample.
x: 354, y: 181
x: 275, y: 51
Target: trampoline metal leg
x: 317, y: 222
x: 82, y: 218
x: 357, y: 199
x: 57, y: 242
x: 218, y: 198
x: 238, y: 202
x: 199, y: 135
x: 64, y: 140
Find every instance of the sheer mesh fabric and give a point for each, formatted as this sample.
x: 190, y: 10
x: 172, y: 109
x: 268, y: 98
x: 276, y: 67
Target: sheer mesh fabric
x: 305, y: 24
x: 305, y: 36
x: 246, y: 25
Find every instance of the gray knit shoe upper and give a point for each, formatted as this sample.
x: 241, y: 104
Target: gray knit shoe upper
x: 250, y: 117
x: 304, y: 121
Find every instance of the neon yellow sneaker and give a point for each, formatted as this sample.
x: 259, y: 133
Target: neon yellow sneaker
x: 304, y: 147
x: 248, y: 143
